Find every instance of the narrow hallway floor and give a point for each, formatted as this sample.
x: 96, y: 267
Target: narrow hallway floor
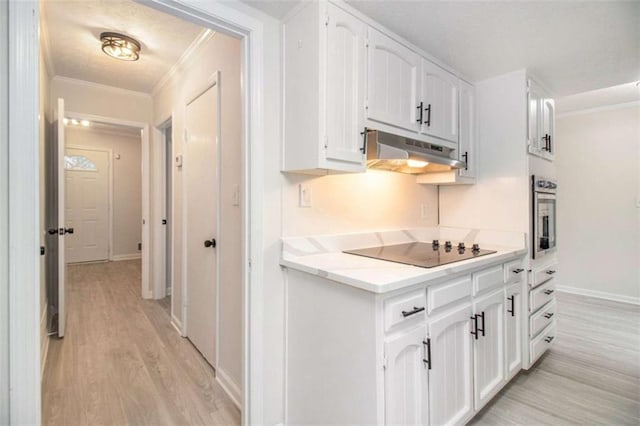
x: 122, y: 362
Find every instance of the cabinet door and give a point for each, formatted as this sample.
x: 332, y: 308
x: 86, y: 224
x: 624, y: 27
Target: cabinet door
x: 451, y: 401
x: 547, y: 124
x: 513, y: 325
x: 345, y: 86
x: 488, y: 354
x: 440, y: 102
x: 536, y: 140
x: 392, y: 82
x: 406, y: 379
x: 467, y: 143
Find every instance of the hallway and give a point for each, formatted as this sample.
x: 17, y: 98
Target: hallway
x: 122, y: 362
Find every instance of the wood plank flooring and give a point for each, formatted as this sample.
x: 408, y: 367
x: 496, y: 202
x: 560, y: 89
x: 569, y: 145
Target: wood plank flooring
x: 591, y: 376
x: 121, y: 361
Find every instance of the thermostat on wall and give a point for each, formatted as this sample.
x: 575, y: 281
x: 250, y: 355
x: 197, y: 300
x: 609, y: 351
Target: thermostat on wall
x: 179, y: 160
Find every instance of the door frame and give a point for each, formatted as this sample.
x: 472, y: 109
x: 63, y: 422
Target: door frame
x: 109, y: 152
x: 24, y: 380
x: 145, y: 290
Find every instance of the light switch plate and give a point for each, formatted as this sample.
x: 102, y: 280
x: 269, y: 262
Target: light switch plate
x: 304, y: 195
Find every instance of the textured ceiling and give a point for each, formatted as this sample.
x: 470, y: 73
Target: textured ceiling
x: 572, y: 46
x: 73, y: 28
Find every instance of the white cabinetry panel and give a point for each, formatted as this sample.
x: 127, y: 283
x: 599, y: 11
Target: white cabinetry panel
x: 392, y: 82
x: 513, y: 326
x: 467, y: 142
x: 440, y: 102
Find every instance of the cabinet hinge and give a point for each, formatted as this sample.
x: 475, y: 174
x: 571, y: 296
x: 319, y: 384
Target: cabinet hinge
x: 384, y: 363
x: 366, y: 42
x: 326, y: 142
x: 326, y: 20
x: 366, y: 104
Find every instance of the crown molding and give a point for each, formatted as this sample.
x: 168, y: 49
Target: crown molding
x: 100, y: 86
x: 598, y: 109
x: 112, y: 132
x: 45, y: 45
x: 204, y: 36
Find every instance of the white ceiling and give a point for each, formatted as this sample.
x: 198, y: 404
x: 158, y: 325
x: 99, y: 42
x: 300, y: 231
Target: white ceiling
x: 73, y: 30
x: 622, y: 94
x: 572, y: 46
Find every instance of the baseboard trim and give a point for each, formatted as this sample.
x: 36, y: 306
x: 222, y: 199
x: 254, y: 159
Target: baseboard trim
x: 599, y: 295
x: 44, y: 339
x: 177, y: 324
x: 229, y: 387
x: 131, y: 256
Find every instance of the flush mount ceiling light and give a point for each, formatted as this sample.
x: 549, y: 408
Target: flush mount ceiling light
x: 120, y: 46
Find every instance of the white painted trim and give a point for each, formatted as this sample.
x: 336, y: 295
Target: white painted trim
x: 91, y: 84
x: 599, y: 294
x: 114, y: 131
x: 204, y: 36
x: 24, y: 214
x: 44, y: 338
x: 599, y: 109
x: 109, y: 152
x: 45, y: 44
x: 177, y: 324
x: 230, y: 387
x: 145, y: 287
x: 130, y: 256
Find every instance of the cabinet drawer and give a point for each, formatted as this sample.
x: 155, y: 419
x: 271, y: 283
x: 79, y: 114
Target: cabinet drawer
x: 489, y: 278
x: 543, y: 275
x: 404, y: 308
x: 541, y: 295
x: 543, y: 342
x: 513, y: 271
x: 444, y: 294
x: 542, y: 318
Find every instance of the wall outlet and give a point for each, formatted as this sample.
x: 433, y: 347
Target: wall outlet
x: 423, y: 211
x: 304, y: 195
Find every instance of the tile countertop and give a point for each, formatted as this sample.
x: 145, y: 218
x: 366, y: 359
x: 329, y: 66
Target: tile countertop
x: 322, y: 256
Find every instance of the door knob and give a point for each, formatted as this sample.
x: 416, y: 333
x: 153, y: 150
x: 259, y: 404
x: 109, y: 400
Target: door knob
x: 210, y: 243
x: 52, y: 231
x: 68, y: 231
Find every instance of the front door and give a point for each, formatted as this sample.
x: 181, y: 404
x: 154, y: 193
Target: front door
x: 201, y: 187
x: 87, y: 205
x: 55, y: 219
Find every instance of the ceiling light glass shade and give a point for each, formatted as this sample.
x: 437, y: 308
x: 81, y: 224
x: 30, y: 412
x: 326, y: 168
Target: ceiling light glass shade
x: 120, y: 46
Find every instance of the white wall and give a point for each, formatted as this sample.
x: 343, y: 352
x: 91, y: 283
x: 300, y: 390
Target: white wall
x: 598, y: 166
x: 127, y: 183
x: 4, y: 232
x: 221, y: 53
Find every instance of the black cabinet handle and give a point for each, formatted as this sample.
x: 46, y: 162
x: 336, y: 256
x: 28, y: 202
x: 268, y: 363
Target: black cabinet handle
x: 427, y: 344
x: 466, y: 159
x: 550, y: 272
x: 518, y: 270
x: 43, y: 250
x: 481, y: 316
x: 428, y: 109
x: 475, y: 326
x: 364, y: 140
x: 419, y: 120
x: 412, y: 312
x: 548, y: 339
x: 549, y: 147
x: 210, y: 243
x: 164, y: 221
x: 548, y: 292
x: 512, y: 311
x: 549, y: 315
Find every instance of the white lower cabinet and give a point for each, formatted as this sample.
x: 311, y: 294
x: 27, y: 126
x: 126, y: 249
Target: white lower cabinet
x: 513, y: 326
x: 488, y: 345
x: 451, y: 396
x: 406, y: 379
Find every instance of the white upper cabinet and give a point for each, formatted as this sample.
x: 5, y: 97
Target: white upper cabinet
x: 406, y: 379
x: 392, y: 82
x: 467, y: 143
x: 345, y: 86
x: 439, y: 102
x: 541, y: 111
x: 324, y: 79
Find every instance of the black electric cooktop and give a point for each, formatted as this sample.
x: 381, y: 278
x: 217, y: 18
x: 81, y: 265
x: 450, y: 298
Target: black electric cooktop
x: 424, y: 255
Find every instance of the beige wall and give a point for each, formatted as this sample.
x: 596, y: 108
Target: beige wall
x: 223, y: 54
x: 598, y: 160
x: 127, y: 183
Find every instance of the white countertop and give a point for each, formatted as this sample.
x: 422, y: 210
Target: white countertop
x: 323, y: 256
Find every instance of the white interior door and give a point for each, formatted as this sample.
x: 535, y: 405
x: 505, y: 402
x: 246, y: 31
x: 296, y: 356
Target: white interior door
x: 201, y: 186
x: 87, y: 205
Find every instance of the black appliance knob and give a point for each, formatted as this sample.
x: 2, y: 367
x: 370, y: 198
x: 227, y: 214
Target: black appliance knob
x: 461, y: 245
x: 447, y: 244
x: 435, y: 243
x: 476, y: 247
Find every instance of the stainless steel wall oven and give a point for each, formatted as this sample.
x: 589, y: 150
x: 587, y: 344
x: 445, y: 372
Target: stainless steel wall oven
x: 544, y: 216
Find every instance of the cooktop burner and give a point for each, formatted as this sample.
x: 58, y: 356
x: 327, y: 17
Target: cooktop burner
x: 424, y: 255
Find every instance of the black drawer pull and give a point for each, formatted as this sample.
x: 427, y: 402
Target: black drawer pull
x: 364, y: 140
x: 419, y: 120
x: 475, y: 326
x: 517, y: 271
x: 548, y: 339
x: 549, y: 315
x: 427, y: 344
x: 512, y: 311
x: 414, y: 311
x: 478, y: 328
x: 548, y: 292
x: 428, y: 109
x: 551, y: 272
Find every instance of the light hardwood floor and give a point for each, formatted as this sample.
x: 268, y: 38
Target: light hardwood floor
x: 121, y: 361
x: 591, y: 376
